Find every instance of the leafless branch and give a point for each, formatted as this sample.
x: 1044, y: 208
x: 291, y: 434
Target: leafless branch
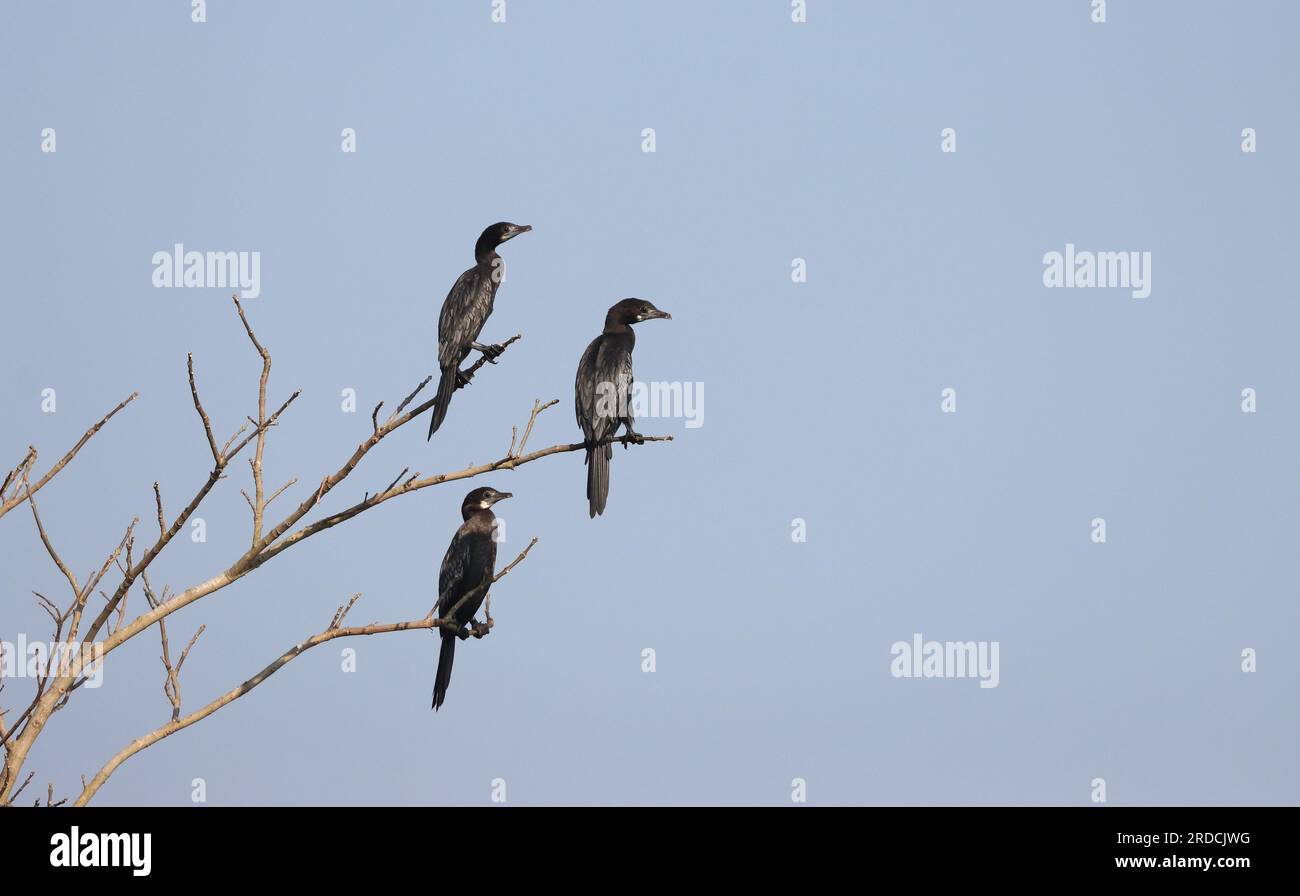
x: 95, y: 579
x: 21, y: 788
x: 268, y: 540
x: 157, y: 496
x: 172, y: 686
x: 342, y: 612
x: 279, y: 491
x: 15, y: 474
x: 334, y: 630
x: 203, y: 415
x: 538, y: 407
x: 49, y: 548
x: 509, y: 462
x: 259, y: 495
x: 24, y: 468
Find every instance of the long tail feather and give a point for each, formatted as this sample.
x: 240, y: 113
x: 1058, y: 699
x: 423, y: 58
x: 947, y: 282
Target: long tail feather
x: 446, y: 386
x: 446, y: 654
x: 597, y: 479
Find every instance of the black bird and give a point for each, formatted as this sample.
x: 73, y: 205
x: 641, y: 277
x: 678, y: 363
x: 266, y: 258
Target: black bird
x: 464, y: 312
x: 603, y: 391
x: 470, y: 562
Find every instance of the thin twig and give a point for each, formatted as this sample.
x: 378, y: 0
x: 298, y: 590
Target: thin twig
x: 538, y: 407
x: 267, y: 543
x: 157, y: 496
x: 45, y: 540
x: 178, y: 724
x: 203, y: 415
x: 24, y: 468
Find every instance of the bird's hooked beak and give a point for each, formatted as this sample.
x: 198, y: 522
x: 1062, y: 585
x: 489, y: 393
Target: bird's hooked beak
x: 657, y: 314
x: 501, y: 496
x: 515, y: 231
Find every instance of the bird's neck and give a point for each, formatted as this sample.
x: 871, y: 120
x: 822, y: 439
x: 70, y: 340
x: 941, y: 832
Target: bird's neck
x: 618, y: 327
x: 478, y: 515
x: 485, y: 251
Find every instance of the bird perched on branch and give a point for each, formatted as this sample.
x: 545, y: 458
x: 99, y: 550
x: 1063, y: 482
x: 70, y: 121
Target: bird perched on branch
x: 464, y: 312
x: 466, y: 575
x: 603, y: 392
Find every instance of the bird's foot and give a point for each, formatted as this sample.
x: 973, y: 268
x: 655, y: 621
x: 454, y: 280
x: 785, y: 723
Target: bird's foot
x: 633, y: 437
x: 491, y: 351
x: 463, y: 633
x: 462, y: 378
x: 480, y: 630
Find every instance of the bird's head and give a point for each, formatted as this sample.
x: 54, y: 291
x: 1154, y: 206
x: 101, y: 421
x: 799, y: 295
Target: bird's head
x: 481, y: 499
x: 633, y: 311
x: 497, y: 234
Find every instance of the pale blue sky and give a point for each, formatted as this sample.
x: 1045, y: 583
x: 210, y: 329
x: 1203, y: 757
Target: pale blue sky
x: 775, y: 141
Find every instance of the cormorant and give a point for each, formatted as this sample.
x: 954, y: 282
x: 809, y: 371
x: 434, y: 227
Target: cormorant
x: 470, y: 562
x: 464, y: 312
x: 603, y: 392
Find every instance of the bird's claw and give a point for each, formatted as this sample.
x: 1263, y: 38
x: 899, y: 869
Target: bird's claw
x: 493, y: 351
x: 633, y: 437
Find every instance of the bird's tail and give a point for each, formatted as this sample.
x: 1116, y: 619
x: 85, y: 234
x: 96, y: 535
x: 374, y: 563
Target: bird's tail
x: 446, y: 386
x: 597, y: 479
x: 446, y: 654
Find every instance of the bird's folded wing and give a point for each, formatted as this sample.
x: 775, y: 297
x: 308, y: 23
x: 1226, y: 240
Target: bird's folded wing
x: 454, y: 564
x: 464, y: 312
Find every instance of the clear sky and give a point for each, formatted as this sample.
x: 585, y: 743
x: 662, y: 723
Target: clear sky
x: 774, y: 141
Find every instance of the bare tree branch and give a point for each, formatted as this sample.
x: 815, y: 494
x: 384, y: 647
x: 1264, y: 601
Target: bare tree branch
x: 334, y: 630
x: 49, y: 548
x: 213, y: 477
x: 412, y: 485
x: 157, y: 495
x: 267, y: 542
x: 18, y: 792
x: 203, y: 415
x: 21, y: 471
x: 279, y: 491
x: 4, y: 732
x: 13, y: 475
x: 538, y: 407
x: 51, y: 699
x: 259, y: 495
x: 96, y: 578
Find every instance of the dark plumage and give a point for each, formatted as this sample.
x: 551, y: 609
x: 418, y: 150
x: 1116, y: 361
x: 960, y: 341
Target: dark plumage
x: 603, y: 392
x: 470, y: 562
x: 464, y: 312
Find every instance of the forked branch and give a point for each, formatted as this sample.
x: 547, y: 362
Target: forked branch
x: 334, y: 630
x: 267, y: 541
